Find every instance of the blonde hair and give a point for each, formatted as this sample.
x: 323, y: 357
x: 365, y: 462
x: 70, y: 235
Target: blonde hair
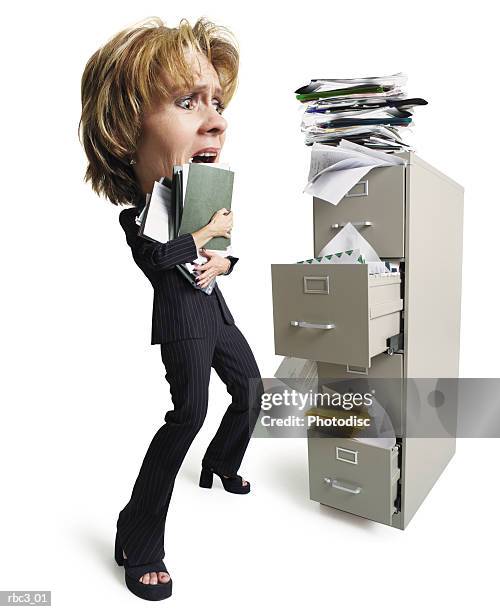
x: 139, y: 65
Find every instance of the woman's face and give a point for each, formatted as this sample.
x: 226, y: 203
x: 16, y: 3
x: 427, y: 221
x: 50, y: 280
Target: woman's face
x: 173, y: 131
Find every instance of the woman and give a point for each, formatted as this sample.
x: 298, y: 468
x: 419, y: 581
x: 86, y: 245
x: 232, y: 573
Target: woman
x: 153, y: 97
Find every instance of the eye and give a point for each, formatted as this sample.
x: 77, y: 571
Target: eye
x: 220, y: 107
x: 186, y: 100
x: 183, y: 100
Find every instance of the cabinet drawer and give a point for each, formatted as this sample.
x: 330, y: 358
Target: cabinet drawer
x: 379, y: 201
x: 383, y: 366
x: 337, y: 313
x: 352, y: 476
x: 384, y: 379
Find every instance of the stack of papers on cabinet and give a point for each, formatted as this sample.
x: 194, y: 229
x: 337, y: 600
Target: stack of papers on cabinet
x: 371, y: 111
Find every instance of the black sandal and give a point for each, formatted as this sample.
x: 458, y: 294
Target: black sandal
x: 151, y: 592
x: 232, y: 482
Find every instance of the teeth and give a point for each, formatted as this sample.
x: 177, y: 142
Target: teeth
x: 207, y: 154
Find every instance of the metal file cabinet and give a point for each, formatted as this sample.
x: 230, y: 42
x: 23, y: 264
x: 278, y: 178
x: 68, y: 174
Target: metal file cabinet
x: 343, y: 318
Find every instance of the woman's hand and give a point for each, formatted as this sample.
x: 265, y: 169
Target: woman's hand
x: 215, y: 265
x: 221, y: 223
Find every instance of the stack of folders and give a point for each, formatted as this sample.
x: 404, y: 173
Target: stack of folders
x: 370, y: 111
x: 198, y: 191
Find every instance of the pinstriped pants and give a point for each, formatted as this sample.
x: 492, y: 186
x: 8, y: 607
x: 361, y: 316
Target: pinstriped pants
x: 188, y: 363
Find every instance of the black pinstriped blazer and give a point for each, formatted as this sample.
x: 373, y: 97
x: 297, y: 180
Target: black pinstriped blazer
x: 179, y: 309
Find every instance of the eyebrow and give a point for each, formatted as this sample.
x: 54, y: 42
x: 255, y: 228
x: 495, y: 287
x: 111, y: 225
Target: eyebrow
x: 204, y: 87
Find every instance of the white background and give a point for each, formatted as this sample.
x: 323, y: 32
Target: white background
x: 83, y: 390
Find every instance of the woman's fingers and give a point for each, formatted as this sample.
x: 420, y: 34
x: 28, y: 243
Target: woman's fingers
x: 210, y: 269
x: 206, y: 274
x: 205, y: 277
x: 207, y: 264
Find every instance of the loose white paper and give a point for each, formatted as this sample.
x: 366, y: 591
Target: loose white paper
x: 335, y: 170
x: 349, y: 239
x: 138, y: 219
x: 159, y: 220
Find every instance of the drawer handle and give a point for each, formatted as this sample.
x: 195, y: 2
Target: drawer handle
x: 358, y: 195
x: 336, y: 484
x: 312, y: 325
x: 355, y: 223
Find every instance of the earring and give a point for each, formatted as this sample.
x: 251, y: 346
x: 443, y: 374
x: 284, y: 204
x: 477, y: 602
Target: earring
x: 132, y: 162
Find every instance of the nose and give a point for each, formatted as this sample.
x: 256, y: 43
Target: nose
x: 214, y: 122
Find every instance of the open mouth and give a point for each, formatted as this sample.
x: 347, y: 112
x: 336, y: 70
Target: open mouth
x: 203, y: 158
